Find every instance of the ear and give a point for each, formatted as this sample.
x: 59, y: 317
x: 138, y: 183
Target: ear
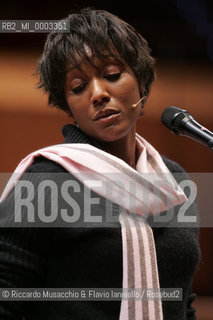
x: 69, y: 113
x: 143, y: 95
x: 142, y: 92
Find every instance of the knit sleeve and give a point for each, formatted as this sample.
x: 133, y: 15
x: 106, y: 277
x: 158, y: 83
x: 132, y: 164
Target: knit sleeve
x: 24, y: 247
x: 190, y: 233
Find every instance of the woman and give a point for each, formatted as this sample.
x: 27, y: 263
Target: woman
x: 100, y: 73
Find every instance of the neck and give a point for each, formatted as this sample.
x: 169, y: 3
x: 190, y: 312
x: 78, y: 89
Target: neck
x: 124, y: 148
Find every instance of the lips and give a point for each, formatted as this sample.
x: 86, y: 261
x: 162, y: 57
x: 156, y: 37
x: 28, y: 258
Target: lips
x: 105, y: 113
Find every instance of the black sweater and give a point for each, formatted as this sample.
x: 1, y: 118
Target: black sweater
x: 82, y: 257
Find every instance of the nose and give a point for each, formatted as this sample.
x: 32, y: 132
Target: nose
x: 99, y: 93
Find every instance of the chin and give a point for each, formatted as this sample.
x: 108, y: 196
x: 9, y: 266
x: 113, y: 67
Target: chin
x: 111, y: 136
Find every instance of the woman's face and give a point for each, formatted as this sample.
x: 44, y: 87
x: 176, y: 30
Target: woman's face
x: 100, y: 97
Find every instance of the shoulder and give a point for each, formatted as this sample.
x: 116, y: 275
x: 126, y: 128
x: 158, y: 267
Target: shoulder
x: 173, y: 166
x: 176, y: 170
x: 42, y: 164
x: 183, y: 179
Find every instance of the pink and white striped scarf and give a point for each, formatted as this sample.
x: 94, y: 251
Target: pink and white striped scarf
x: 155, y: 190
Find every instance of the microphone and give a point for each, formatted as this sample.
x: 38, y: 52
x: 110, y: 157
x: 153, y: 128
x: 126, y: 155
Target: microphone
x: 181, y: 122
x: 135, y: 104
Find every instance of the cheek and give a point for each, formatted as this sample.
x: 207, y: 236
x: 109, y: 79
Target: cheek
x: 130, y: 97
x: 129, y: 91
x: 80, y: 112
x: 72, y: 101
x: 73, y: 104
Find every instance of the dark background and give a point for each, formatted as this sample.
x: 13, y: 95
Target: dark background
x: 176, y: 29
x: 180, y: 34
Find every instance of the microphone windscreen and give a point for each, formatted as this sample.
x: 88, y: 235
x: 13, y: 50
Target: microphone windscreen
x: 169, y: 115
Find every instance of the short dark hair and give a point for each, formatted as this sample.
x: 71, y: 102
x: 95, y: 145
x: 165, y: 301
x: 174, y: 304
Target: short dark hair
x: 105, y: 34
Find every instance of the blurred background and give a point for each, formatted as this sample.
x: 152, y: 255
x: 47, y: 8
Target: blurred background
x: 180, y: 34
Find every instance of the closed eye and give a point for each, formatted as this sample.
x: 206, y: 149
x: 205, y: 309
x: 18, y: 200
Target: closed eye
x: 79, y: 89
x: 113, y: 76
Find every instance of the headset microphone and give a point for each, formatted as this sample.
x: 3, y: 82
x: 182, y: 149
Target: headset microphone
x: 135, y: 104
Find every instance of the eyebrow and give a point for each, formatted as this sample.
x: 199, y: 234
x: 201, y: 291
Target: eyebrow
x: 78, y: 66
x: 73, y: 67
x: 107, y: 60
